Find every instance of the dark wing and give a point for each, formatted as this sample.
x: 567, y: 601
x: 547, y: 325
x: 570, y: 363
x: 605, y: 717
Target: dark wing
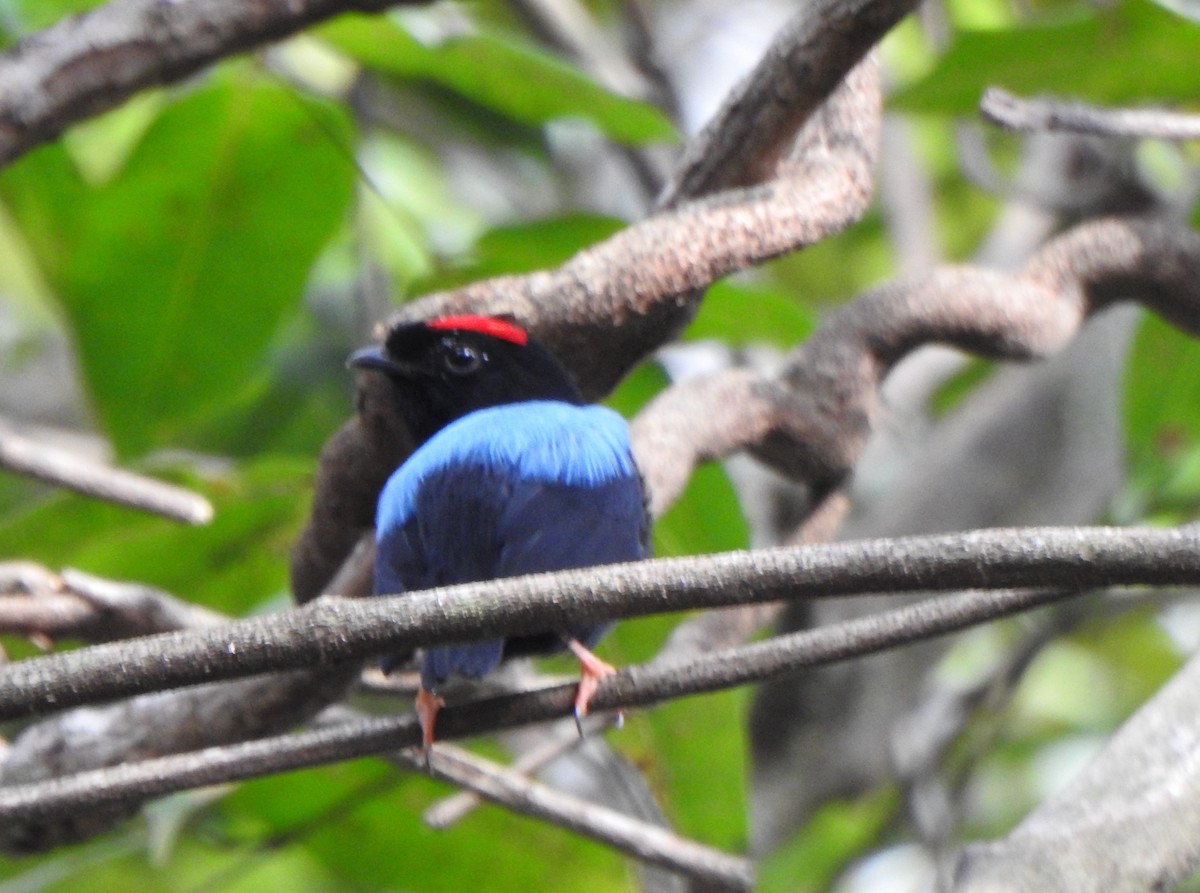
x: 549, y: 527
x: 446, y: 536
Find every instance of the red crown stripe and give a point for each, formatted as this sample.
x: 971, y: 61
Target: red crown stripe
x: 485, y: 325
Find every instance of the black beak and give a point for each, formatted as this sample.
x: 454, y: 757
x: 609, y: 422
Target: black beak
x: 374, y: 358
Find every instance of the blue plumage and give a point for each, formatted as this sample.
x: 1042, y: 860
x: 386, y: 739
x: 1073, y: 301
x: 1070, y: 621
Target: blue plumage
x: 504, y: 491
x: 540, y: 441
x: 509, y: 490
x: 514, y: 474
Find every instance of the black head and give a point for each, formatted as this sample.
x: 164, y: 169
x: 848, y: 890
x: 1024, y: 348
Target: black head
x: 454, y: 365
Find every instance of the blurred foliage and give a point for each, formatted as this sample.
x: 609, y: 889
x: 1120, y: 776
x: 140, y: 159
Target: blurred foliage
x: 1044, y: 57
x: 211, y: 252
x: 185, y: 256
x: 510, y: 77
x: 1162, y: 412
x: 18, y: 17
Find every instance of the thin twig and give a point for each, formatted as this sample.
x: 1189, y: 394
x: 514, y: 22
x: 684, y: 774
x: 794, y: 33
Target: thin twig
x: 451, y: 810
x: 922, y: 737
x: 649, y: 843
x: 1030, y: 115
x: 80, y: 606
x: 631, y: 687
x: 64, y: 468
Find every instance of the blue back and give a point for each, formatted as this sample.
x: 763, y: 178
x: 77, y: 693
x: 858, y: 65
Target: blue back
x: 514, y: 489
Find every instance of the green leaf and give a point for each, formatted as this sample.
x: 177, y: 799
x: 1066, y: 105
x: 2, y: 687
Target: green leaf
x: 302, y: 394
x: 233, y: 564
x: 176, y: 274
x: 498, y: 72
x: 708, y: 517
x: 119, y: 863
x: 737, y: 314
x: 338, y: 813
x: 524, y: 247
x: 960, y: 385
x: 1138, y: 653
x: 536, y: 245
x: 34, y: 15
x: 836, y: 269
x: 1161, y: 400
x: 1148, y: 55
x: 699, y: 751
x: 637, y: 389
x: 839, y: 832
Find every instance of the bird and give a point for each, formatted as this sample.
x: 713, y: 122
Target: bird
x: 513, y: 473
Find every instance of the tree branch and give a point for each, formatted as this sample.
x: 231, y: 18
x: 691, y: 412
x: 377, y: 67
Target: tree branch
x: 511, y: 788
x: 91, y: 62
x: 80, y: 606
x: 332, y: 632
x: 750, y: 139
x: 1033, y: 115
x: 632, y: 687
x: 646, y: 842
x: 64, y: 468
x: 449, y: 811
x: 812, y: 420
x: 645, y: 282
x: 151, y: 724
x: 1129, y: 822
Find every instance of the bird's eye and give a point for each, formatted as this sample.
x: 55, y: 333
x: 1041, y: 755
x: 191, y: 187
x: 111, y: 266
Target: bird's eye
x: 462, y: 359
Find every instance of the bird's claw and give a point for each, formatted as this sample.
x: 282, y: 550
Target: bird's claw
x: 427, y: 707
x: 592, y: 670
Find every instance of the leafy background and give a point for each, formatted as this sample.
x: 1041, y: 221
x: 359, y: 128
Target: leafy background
x: 183, y: 278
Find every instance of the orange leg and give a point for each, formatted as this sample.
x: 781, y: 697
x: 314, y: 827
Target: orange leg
x: 428, y: 704
x: 591, y: 671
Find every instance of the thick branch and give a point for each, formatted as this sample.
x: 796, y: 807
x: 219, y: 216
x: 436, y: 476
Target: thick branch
x: 643, y: 284
x: 754, y: 128
x: 1130, y: 821
x: 151, y: 724
x: 92, y: 62
x: 636, y: 686
x: 812, y: 420
x: 335, y: 631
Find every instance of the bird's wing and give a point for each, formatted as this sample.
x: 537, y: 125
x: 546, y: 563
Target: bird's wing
x: 444, y: 535
x: 548, y: 527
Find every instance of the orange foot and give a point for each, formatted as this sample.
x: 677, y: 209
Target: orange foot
x: 428, y: 705
x: 591, y: 671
